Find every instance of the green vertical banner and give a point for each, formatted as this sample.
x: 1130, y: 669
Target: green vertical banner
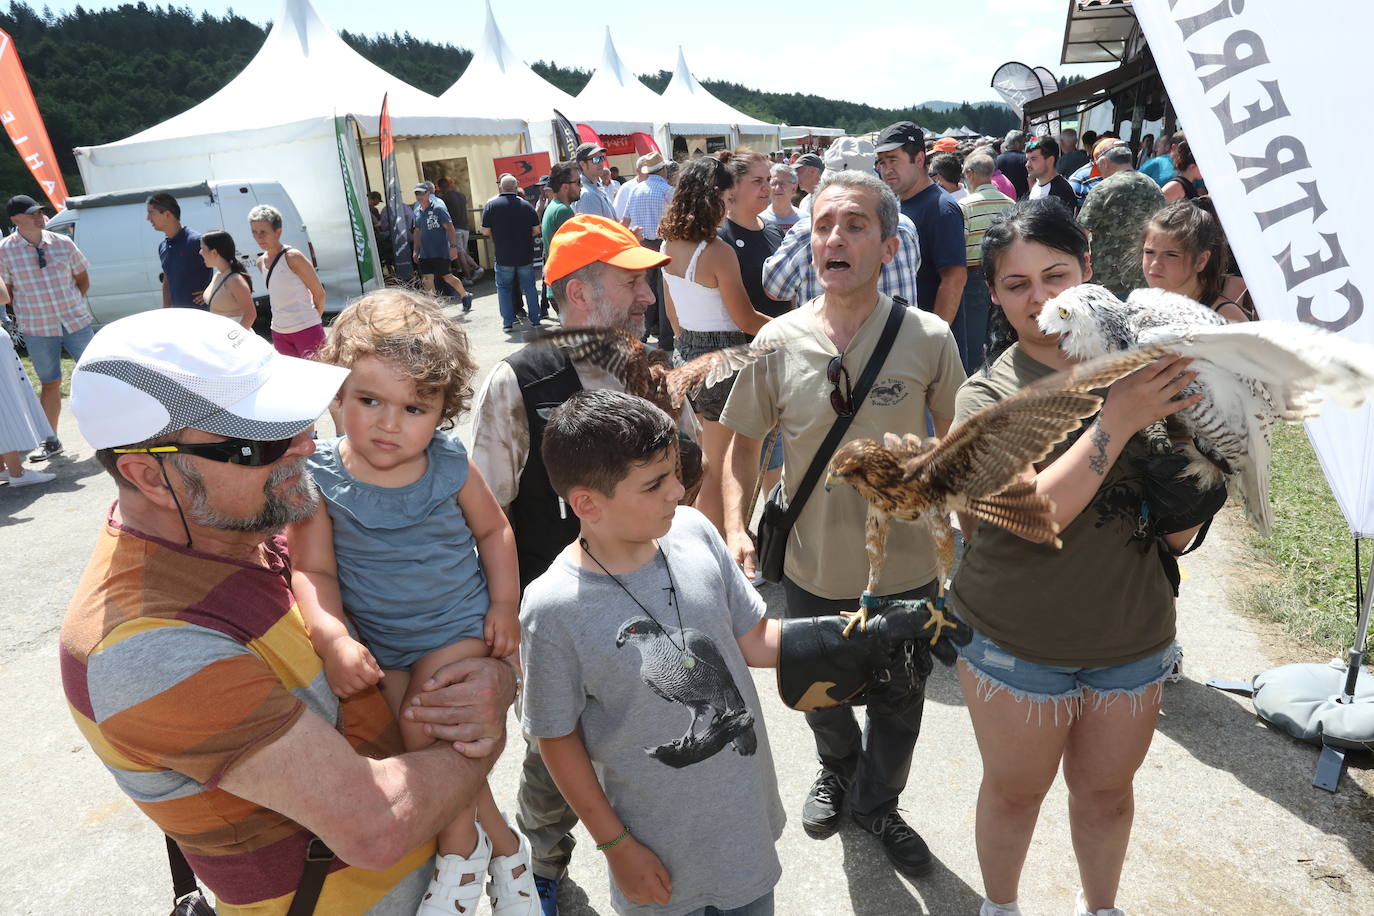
x: 362, y: 252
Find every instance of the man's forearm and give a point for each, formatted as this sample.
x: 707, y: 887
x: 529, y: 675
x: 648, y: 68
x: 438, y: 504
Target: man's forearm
x: 738, y: 484
x: 950, y: 292
x: 426, y: 790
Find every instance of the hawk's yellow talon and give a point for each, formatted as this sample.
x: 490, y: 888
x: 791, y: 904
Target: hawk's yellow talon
x: 859, y: 618
x: 939, y: 621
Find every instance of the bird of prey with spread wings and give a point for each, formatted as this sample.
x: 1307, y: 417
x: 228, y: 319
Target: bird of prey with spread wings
x: 978, y: 468
x: 651, y: 375
x: 1251, y: 375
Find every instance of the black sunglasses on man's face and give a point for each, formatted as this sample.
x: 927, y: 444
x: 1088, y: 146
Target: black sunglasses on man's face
x: 252, y: 453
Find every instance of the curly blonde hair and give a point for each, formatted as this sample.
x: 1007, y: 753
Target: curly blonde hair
x: 408, y: 331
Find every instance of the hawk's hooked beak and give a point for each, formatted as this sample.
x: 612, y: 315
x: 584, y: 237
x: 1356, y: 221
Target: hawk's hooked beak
x: 829, y: 480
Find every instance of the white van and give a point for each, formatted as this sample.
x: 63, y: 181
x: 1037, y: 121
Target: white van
x: 113, y: 232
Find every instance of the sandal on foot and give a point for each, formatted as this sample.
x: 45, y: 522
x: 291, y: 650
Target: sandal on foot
x: 512, y: 894
x: 447, y: 895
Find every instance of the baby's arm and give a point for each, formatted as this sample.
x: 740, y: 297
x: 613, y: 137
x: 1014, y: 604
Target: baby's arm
x: 638, y: 872
x: 496, y: 550
x: 315, y: 581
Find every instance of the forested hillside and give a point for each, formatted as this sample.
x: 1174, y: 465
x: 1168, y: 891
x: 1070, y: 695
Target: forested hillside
x: 101, y: 75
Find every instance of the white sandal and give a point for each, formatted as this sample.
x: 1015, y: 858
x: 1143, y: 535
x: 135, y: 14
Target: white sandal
x: 447, y: 895
x: 512, y: 894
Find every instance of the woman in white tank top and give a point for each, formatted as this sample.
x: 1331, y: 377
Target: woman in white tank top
x: 706, y: 303
x: 295, y: 291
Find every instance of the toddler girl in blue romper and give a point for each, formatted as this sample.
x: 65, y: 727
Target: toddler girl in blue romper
x: 411, y: 548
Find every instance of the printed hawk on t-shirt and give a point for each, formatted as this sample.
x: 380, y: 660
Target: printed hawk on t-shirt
x: 684, y: 666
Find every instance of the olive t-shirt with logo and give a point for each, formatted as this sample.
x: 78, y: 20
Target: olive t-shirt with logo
x: 1101, y: 600
x: 825, y: 552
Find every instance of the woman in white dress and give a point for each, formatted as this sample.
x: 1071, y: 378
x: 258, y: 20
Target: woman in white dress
x: 23, y: 427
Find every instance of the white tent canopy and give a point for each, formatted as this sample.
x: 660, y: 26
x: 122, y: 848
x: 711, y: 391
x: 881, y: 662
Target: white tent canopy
x: 250, y: 130
x: 790, y: 132
x: 690, y: 108
x: 497, y: 84
x: 614, y: 100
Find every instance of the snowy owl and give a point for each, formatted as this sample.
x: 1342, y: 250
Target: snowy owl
x: 1250, y: 374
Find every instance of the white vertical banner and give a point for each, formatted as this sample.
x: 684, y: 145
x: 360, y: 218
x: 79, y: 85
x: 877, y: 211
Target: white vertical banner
x: 1270, y: 96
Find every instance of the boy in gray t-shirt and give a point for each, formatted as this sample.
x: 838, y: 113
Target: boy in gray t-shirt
x: 637, y: 647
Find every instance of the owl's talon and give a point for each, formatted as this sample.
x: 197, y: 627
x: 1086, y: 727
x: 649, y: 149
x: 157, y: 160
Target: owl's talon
x: 856, y: 618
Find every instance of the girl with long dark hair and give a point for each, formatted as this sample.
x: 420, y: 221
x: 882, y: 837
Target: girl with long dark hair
x: 1184, y: 251
x: 230, y: 292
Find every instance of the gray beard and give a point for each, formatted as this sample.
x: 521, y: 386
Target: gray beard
x: 278, y: 511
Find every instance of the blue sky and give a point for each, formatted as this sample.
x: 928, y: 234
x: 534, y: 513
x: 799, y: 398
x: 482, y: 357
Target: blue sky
x: 887, y: 54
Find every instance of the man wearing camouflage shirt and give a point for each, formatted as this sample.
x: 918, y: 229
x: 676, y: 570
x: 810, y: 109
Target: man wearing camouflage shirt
x: 1115, y: 215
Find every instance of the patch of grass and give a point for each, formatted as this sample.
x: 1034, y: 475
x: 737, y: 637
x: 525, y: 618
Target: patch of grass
x: 68, y: 364
x: 1311, y: 552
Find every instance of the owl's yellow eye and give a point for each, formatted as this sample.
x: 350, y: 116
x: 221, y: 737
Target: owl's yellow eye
x: 1063, y: 313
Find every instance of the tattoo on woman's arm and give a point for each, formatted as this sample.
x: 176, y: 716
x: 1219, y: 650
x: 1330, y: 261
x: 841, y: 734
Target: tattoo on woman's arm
x: 1098, y: 459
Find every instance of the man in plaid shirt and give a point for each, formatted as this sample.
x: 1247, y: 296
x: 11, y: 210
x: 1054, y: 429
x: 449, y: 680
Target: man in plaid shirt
x: 46, y: 275
x: 647, y: 201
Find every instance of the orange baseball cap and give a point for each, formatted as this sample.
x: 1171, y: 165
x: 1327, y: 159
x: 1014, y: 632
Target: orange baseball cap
x: 586, y: 239
x: 945, y: 145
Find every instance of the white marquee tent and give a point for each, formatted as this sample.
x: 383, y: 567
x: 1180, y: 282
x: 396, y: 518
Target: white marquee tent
x: 689, y: 110
x: 615, y: 96
x: 276, y: 120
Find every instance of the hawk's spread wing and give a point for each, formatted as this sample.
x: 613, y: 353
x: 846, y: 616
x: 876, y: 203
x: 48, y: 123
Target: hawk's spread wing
x: 710, y: 369
x: 610, y: 348
x: 990, y: 450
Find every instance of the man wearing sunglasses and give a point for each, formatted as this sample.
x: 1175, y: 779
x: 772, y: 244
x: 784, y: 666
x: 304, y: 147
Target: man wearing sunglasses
x: 802, y: 388
x: 187, y: 665
x: 591, y: 162
x: 46, y: 276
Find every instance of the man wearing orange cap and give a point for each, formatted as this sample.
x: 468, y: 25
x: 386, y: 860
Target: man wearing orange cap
x: 597, y: 271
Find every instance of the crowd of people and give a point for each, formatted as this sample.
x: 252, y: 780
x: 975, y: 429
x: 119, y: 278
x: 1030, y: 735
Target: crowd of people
x: 262, y: 607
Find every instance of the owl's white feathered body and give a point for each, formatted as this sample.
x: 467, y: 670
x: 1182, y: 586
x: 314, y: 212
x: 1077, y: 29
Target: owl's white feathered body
x: 1250, y: 374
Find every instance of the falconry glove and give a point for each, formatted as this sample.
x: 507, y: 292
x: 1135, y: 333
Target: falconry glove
x: 820, y: 667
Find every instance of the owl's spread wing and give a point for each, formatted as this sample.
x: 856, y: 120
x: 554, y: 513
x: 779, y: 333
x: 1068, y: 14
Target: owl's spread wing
x: 1296, y: 362
x: 610, y: 348
x: 710, y: 369
x: 990, y: 450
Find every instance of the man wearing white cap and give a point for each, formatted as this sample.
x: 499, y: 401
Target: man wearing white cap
x: 184, y: 659
x: 790, y: 273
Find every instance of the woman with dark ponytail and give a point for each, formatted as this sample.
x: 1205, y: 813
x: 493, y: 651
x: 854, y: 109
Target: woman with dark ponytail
x: 230, y: 292
x: 1071, y: 646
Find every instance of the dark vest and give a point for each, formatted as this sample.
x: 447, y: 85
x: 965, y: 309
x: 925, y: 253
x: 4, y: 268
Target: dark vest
x: 546, y: 378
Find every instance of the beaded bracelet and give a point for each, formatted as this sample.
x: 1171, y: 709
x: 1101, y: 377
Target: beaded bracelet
x: 602, y: 847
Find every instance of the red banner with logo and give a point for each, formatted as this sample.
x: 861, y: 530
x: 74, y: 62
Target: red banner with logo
x: 527, y: 168
x: 19, y: 114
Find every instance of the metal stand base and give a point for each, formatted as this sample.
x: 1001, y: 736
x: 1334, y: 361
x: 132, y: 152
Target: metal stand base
x: 1243, y: 688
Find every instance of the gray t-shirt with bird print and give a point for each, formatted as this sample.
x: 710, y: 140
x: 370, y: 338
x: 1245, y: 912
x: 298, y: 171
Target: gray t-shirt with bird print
x: 667, y: 709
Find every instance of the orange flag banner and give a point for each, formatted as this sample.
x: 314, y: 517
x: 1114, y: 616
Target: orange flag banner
x: 19, y: 114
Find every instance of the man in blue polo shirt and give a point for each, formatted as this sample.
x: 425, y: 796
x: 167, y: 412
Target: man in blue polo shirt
x: 511, y: 223
x: 184, y: 274
x: 901, y: 150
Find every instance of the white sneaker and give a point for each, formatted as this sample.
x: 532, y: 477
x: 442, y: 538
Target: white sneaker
x: 447, y: 895
x: 1081, y: 909
x: 30, y: 478
x: 991, y: 909
x: 511, y: 894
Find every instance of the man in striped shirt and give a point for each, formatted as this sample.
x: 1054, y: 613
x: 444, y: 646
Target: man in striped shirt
x: 185, y: 660
x: 46, y: 275
x: 983, y: 204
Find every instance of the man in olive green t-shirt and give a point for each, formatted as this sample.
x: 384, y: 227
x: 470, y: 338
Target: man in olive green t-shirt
x: 854, y: 232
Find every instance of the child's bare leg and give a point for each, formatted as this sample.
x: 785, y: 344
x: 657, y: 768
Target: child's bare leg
x: 504, y: 842
x: 460, y: 836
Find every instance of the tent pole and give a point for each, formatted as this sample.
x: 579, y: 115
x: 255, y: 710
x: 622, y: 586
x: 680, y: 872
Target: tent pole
x: 1361, y: 635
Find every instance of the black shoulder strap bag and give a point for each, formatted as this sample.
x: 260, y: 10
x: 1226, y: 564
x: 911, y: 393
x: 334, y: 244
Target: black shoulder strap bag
x: 776, y: 522
x: 189, y: 900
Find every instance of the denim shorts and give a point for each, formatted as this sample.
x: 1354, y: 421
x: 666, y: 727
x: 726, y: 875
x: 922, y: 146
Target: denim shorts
x: 46, y: 352
x: 773, y: 456
x: 997, y: 669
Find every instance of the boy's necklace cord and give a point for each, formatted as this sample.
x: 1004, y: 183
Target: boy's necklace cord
x: 688, y: 660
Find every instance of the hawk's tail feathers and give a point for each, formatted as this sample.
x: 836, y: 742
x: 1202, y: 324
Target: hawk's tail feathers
x: 1020, y: 510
